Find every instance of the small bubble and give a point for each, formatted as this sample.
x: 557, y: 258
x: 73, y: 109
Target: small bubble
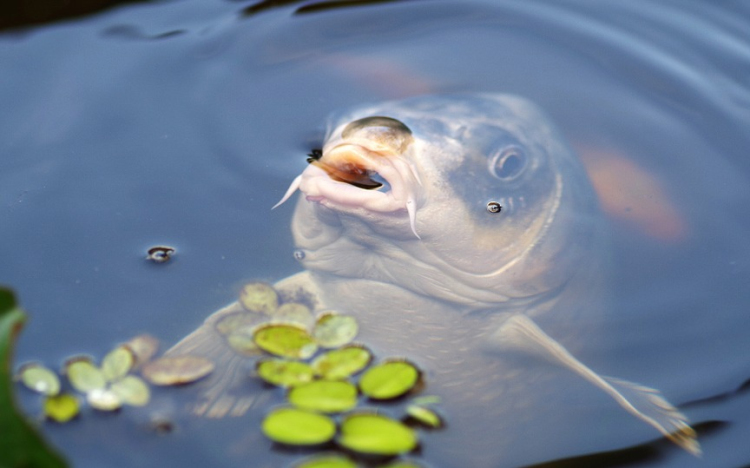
x: 299, y: 255
x: 160, y: 253
x: 494, y: 207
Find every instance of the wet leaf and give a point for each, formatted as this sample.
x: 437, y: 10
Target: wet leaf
x: 342, y: 363
x: 376, y: 434
x: 326, y: 461
x: 286, y: 340
x: 238, y: 321
x: 390, y: 379
x: 39, y: 379
x: 424, y: 416
x: 61, y: 408
x: 243, y: 342
x: 143, y: 347
x: 333, y: 330
x: 259, y: 297
x: 131, y: 391
x: 103, y: 399
x: 117, y: 363
x: 284, y: 373
x: 177, y: 370
x: 294, y: 312
x: 84, y: 376
x: 298, y: 427
x: 325, y: 396
x: 402, y: 464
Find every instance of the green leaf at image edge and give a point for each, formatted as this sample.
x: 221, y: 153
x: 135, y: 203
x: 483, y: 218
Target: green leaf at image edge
x: 20, y: 444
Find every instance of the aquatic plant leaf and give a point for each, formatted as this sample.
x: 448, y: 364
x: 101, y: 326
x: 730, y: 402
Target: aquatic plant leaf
x: 238, y: 321
x: 342, y: 363
x: 103, y: 399
x: 259, y: 297
x: 284, y: 373
x: 325, y: 396
x: 177, y: 370
x: 84, y: 376
x: 285, y: 340
x: 39, y: 379
x: 333, y: 330
x: 294, y: 312
x: 20, y: 444
x: 143, y: 347
x: 402, y: 464
x: 426, y: 400
x: 243, y: 342
x: 376, y: 434
x: 424, y: 416
x: 298, y: 427
x: 390, y: 379
x: 62, y: 408
x: 117, y: 363
x: 326, y: 461
x: 132, y: 391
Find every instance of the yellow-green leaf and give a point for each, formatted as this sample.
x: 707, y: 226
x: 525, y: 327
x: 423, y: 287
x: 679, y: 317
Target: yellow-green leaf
x: 117, y: 363
x: 298, y: 427
x: 285, y: 340
x: 373, y: 433
x: 342, y: 363
x: 390, y: 379
x: 326, y: 396
x: 61, y: 408
x: 84, y: 376
x: 132, y: 391
x: 424, y: 416
x: 39, y: 379
x: 333, y: 330
x: 284, y: 373
x: 326, y: 461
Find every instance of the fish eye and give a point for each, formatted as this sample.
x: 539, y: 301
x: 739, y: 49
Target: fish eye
x: 508, y: 163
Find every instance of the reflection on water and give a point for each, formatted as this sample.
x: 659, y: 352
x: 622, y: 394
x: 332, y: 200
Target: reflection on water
x: 113, y: 146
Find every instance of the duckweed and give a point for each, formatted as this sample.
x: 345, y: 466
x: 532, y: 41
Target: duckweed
x: 285, y: 340
x: 333, y: 330
x: 325, y: 396
x: 39, y: 379
x: 372, y: 433
x: 342, y: 363
x: 390, y: 379
x: 298, y: 427
x: 284, y: 373
x: 61, y: 408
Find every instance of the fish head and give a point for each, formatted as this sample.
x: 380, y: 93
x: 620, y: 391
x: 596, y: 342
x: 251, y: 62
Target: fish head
x: 474, y: 199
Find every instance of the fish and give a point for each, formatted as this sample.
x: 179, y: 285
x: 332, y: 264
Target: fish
x: 462, y: 232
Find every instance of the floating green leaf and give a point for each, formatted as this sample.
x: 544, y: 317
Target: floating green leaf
x: 402, y: 464
x: 326, y: 461
x: 103, y: 399
x: 177, y: 370
x: 131, y: 391
x: 143, y: 347
x: 284, y: 373
x: 286, y: 340
x: 84, y: 376
x: 243, y: 342
x: 117, y: 363
x: 333, y: 330
x: 61, y: 408
x: 424, y: 416
x: 294, y: 312
x: 238, y: 321
x: 326, y: 396
x: 298, y: 427
x: 39, y: 379
x: 342, y: 363
x: 376, y: 434
x: 389, y: 379
x: 259, y: 297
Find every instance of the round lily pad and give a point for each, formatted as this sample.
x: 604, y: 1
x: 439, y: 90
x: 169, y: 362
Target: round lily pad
x: 132, y: 391
x: 61, y: 408
x: 284, y: 373
x: 333, y: 330
x: 342, y: 363
x: 117, y: 363
x: 286, y: 340
x: 39, y: 379
x: 84, y: 376
x: 238, y: 321
x: 326, y: 461
x: 326, y: 396
x: 294, y: 312
x: 259, y: 297
x: 177, y: 370
x: 424, y: 416
x: 376, y: 434
x: 103, y: 399
x: 388, y: 380
x: 298, y: 427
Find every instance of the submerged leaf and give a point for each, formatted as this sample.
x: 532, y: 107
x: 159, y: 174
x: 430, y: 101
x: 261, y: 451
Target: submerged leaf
x: 238, y: 321
x: 376, y: 434
x: 286, y: 340
x: 390, y: 379
x: 39, y: 379
x: 298, y: 427
x: 259, y: 297
x: 61, y: 408
x: 177, y: 370
x: 84, y: 376
x: 294, y: 312
x: 342, y: 363
x: 117, y: 363
x: 143, y: 347
x: 284, y: 373
x: 243, y: 342
x: 326, y: 396
x: 333, y: 330
x: 132, y: 391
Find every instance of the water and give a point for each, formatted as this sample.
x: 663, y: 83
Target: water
x: 182, y: 123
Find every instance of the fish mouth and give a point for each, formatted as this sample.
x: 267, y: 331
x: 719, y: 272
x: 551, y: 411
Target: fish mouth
x: 348, y: 175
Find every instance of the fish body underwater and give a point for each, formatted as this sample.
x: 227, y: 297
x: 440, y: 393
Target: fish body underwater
x: 462, y: 233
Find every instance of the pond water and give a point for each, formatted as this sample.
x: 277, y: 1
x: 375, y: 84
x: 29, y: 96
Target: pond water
x: 182, y: 123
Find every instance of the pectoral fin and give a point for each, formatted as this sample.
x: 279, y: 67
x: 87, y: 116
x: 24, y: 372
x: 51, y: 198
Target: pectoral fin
x: 647, y: 404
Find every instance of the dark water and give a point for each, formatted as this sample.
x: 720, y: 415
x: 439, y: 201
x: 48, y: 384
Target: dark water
x: 181, y: 123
